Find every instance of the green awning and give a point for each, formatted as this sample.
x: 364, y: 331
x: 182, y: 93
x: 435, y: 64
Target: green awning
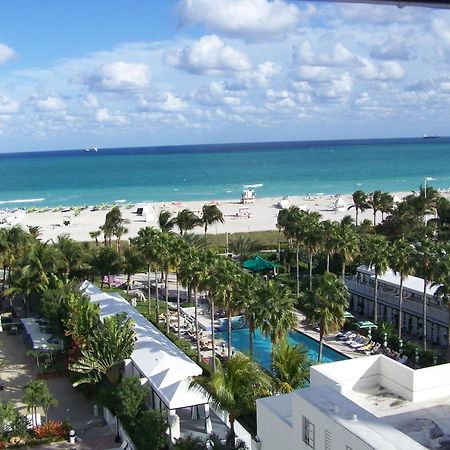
x: 348, y: 315
x: 366, y: 324
x: 258, y: 264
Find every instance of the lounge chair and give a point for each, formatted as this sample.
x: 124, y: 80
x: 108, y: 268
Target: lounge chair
x: 341, y: 336
x: 353, y: 338
x: 403, y: 359
x: 356, y: 345
x: 375, y: 349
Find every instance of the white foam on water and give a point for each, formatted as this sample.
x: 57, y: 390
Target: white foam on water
x: 22, y: 200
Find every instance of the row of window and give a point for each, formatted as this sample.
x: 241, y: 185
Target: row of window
x: 309, y: 435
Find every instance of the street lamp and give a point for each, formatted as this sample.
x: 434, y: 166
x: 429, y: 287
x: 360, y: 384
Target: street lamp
x: 385, y: 340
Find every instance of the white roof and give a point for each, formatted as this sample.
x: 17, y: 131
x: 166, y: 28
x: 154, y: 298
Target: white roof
x: 39, y: 339
x: 340, y: 202
x: 410, y: 283
x: 168, y: 369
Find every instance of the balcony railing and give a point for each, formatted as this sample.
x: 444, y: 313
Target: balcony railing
x: 435, y: 313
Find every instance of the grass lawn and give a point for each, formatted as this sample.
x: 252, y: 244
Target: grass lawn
x: 269, y: 239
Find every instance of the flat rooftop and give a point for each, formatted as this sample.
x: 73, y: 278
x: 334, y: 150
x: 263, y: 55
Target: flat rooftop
x: 427, y: 422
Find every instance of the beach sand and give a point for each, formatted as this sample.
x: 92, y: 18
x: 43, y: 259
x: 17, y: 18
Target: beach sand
x: 262, y: 216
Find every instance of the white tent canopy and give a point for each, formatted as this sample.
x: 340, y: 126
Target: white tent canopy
x: 158, y: 359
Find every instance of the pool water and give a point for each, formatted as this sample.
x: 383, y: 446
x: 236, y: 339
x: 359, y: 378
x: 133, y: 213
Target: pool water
x: 262, y: 347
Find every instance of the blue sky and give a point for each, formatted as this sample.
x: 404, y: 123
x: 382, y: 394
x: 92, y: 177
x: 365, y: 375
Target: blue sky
x: 137, y: 73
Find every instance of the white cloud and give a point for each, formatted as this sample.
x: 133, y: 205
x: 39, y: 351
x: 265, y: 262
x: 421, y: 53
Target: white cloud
x: 253, y: 20
x: 165, y: 101
x: 6, y: 53
x: 216, y: 94
x: 387, y: 70
x: 441, y: 28
x: 49, y: 103
x: 392, y: 48
x: 117, y: 76
x: 208, y: 56
x: 8, y: 105
x: 340, y: 87
x: 314, y: 73
x: 90, y: 101
x: 105, y: 116
x: 339, y: 56
x: 259, y: 77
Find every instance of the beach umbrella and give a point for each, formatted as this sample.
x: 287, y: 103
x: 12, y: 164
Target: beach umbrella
x: 366, y: 324
x: 348, y: 315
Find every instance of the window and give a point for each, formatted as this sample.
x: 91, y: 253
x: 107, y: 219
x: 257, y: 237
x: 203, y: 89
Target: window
x: 308, y: 432
x: 327, y: 440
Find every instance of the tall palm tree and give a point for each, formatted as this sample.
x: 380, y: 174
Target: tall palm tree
x: 187, y: 220
x: 359, y: 203
x: 329, y: 239
x: 191, y: 276
x: 277, y: 316
x: 149, y: 242
x: 375, y: 201
x: 326, y: 305
x: 425, y: 258
x: 235, y: 388
x: 211, y: 214
x: 347, y: 243
x: 165, y: 220
x: 106, y: 261
x: 248, y: 301
x: 291, y: 365
x: 386, y: 204
x: 132, y: 263
x: 402, y: 263
x: 375, y: 253
x: 443, y: 286
x: 313, y: 238
x: 282, y: 221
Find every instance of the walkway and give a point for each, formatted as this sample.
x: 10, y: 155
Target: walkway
x: 20, y: 369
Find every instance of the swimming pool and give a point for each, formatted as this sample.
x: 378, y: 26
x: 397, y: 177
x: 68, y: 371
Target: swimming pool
x: 262, y: 347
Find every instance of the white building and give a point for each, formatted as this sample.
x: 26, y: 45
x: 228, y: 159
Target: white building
x: 362, y: 287
x: 358, y: 404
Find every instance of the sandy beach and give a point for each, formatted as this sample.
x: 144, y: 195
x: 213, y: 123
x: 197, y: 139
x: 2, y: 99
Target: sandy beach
x: 258, y: 216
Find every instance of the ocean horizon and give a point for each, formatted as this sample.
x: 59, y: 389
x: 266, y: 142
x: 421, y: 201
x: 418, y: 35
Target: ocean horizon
x: 219, y: 171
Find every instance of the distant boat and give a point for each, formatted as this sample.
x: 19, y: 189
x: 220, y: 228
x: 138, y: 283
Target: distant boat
x: 91, y: 149
x: 431, y: 136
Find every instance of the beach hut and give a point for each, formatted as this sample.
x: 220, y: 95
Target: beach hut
x: 284, y: 203
x: 396, y: 199
x: 339, y: 205
x: 248, y: 196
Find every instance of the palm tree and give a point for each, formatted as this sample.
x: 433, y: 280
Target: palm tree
x: 403, y: 264
x: 247, y: 298
x: 277, y: 315
x: 132, y: 263
x: 443, y: 287
x: 282, y: 221
x: 312, y: 231
x: 187, y: 220
x: 191, y: 276
x: 243, y: 246
x: 375, y: 253
x: 211, y: 214
x: 95, y: 235
x: 165, y: 221
x: 291, y: 365
x: 329, y: 239
x: 235, y: 388
x: 72, y: 253
x: 347, y: 243
x: 149, y: 243
x: 425, y: 256
x: 106, y: 261
x: 38, y: 394
x: 375, y: 201
x: 386, y: 204
x: 114, y: 225
x: 326, y: 305
x: 35, y: 231
x: 112, y: 341
x: 359, y: 203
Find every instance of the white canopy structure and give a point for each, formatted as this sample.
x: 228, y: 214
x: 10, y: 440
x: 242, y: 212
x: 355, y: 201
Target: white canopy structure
x: 156, y: 358
x: 410, y: 283
x: 40, y: 339
x: 339, y: 204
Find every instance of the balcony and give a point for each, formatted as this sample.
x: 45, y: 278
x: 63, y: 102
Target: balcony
x: 411, y: 303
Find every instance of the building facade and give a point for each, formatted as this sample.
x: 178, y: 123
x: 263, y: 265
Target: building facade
x: 362, y: 292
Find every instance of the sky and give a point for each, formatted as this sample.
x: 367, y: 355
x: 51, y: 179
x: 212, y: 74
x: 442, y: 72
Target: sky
x: 111, y: 73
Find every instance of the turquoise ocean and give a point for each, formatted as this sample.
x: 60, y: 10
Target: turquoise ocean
x: 218, y: 172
